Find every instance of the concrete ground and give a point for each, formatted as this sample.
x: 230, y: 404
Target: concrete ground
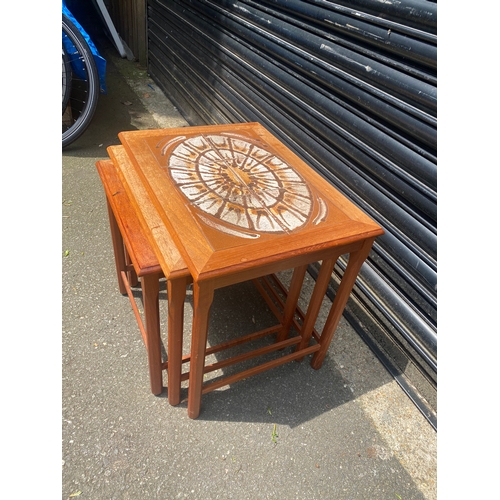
x: 346, y: 431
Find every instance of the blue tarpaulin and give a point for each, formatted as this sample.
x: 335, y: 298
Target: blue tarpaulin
x: 99, y: 60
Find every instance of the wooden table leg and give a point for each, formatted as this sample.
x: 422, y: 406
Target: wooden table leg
x: 291, y: 301
x: 150, y: 295
x: 356, y: 260
x: 318, y: 294
x: 176, y: 289
x: 118, y: 248
x: 203, y: 294
x: 131, y: 274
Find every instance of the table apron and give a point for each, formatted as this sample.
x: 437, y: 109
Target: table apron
x: 257, y: 271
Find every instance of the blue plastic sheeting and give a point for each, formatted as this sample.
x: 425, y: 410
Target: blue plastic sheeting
x: 99, y: 60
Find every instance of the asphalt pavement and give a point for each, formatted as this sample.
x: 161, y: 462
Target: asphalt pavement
x: 346, y: 431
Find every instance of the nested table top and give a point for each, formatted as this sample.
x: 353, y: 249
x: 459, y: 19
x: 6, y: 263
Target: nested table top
x: 166, y: 252
x: 234, y: 197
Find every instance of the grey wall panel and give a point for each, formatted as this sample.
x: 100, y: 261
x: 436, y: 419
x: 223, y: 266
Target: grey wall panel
x: 351, y: 88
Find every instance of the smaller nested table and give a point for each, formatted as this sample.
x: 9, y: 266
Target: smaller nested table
x: 240, y: 205
x: 134, y: 257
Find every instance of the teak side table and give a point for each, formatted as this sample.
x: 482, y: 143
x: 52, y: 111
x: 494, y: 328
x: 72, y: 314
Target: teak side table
x: 240, y: 205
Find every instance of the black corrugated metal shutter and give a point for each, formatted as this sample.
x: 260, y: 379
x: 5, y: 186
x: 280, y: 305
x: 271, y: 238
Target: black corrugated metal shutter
x: 350, y: 86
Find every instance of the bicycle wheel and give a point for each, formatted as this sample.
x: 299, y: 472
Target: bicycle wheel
x: 83, y: 91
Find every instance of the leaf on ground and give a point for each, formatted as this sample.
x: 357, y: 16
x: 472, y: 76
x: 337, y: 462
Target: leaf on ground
x: 274, y: 435
x: 75, y: 494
